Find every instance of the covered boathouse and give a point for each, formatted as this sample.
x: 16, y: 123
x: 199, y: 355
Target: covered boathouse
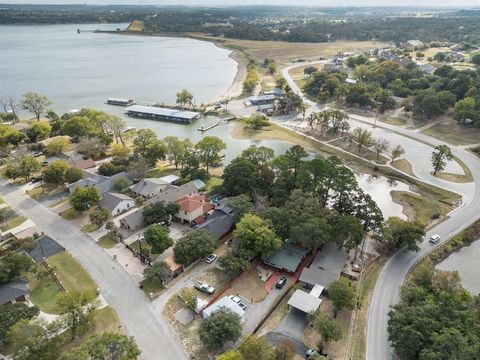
x: 164, y: 114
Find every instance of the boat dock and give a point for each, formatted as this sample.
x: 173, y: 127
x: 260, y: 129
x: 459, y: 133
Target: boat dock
x: 164, y: 114
x: 203, y: 129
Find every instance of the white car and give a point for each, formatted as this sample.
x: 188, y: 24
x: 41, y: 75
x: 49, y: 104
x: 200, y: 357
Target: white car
x: 435, y: 238
x: 239, y: 301
x: 204, y: 287
x: 211, y: 258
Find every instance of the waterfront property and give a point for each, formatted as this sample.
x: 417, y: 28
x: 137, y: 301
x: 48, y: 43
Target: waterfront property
x: 120, y: 102
x: 164, y: 114
x: 263, y: 99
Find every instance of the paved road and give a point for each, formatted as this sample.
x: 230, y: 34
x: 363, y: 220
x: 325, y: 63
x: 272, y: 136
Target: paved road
x: 132, y: 306
x: 387, y: 289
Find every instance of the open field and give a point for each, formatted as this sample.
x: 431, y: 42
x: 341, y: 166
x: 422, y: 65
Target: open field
x: 451, y: 132
x: 396, y: 121
x: 286, y: 52
x: 404, y: 166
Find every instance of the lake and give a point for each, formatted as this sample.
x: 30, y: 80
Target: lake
x: 83, y: 70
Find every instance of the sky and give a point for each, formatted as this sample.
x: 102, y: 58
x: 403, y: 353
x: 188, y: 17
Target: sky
x: 329, y: 3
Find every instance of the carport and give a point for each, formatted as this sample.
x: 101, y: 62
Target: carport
x: 304, y: 301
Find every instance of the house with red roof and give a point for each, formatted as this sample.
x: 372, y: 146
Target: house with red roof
x: 194, y: 209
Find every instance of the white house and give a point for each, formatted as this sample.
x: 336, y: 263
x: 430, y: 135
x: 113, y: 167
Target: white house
x: 116, y: 203
x: 225, y: 302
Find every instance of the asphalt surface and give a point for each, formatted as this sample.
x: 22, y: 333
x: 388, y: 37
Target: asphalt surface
x: 136, y: 313
x: 387, y: 288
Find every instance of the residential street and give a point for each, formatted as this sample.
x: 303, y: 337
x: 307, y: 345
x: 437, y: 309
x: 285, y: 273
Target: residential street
x: 138, y: 316
x: 387, y: 289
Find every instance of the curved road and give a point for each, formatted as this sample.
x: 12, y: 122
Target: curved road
x: 387, y: 288
x: 136, y: 313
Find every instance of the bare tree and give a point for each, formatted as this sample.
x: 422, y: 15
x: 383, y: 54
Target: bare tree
x: 36, y: 103
x: 117, y: 126
x: 380, y: 146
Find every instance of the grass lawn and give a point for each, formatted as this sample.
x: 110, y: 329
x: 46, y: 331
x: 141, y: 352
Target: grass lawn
x: 71, y: 214
x: 396, y: 121
x: 453, y: 133
x: 43, y: 292
x: 14, y: 222
x: 404, y: 166
x: 89, y: 228
x: 152, y: 288
x: 106, y: 320
x: 214, y: 181
x: 107, y: 241
x: 162, y: 170
x: 45, y: 190
x: 422, y: 206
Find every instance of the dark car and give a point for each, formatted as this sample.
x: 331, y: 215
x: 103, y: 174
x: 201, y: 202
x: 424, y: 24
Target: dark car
x: 281, y: 282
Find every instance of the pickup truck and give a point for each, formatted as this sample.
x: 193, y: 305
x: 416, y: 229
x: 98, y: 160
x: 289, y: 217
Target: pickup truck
x: 204, y: 287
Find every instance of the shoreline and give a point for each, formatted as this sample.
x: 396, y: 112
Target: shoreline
x: 235, y: 89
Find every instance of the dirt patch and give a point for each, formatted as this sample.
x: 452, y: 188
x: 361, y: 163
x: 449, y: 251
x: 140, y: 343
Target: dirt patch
x: 363, y: 152
x: 215, y: 277
x: 250, y: 287
x: 404, y: 166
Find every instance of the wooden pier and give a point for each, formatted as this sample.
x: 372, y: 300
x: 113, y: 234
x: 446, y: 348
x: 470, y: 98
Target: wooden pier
x: 203, y: 129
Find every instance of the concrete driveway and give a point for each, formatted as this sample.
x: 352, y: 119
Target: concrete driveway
x: 291, y: 329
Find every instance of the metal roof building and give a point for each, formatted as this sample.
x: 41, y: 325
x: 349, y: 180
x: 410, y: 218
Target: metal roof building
x: 224, y: 302
x: 158, y: 113
x: 304, y: 301
x: 288, y: 258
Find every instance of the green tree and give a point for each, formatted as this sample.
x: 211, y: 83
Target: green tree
x: 328, y: 328
x: 57, y: 145
x: 35, y: 103
x: 73, y: 175
x: 399, y: 233
x: 100, y: 216
x: 34, y: 340
x: 78, y: 126
x: 240, y: 177
x: 119, y: 151
x: 106, y: 346
x: 441, y: 154
x: 28, y: 167
x: 362, y: 137
x: 241, y: 205
x: 190, y: 298
x: 220, y: 328
x: 342, y: 294
x: 157, y: 237
x: 83, y: 198
x: 159, y: 213
x: 78, y: 314
x: 10, y: 314
x: 56, y: 172
x: 121, y: 184
x: 209, y: 150
x: 380, y: 146
x: 158, y: 272
x: 258, y: 155
x: 177, y: 149
x: 184, y: 97
x: 107, y: 169
x: 38, y: 130
x: 465, y: 109
x: 233, y: 263
x: 230, y: 355
x: 397, y: 152
x: 117, y: 127
x: 91, y: 146
x: 253, y: 234
x: 257, y: 121
x: 252, y: 347
x: 15, y: 137
x: 194, y: 246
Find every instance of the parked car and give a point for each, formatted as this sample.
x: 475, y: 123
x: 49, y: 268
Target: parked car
x: 310, y: 352
x: 44, y: 163
x: 36, y: 179
x: 435, y: 238
x: 204, y: 287
x: 281, y: 282
x: 239, y: 301
x: 211, y: 258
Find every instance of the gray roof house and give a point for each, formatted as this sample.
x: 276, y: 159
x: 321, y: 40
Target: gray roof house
x: 116, y: 203
x: 171, y: 193
x: 427, y: 68
x: 45, y: 246
x: 326, y: 267
x: 102, y: 183
x: 15, y: 291
x: 150, y: 187
x: 132, y: 221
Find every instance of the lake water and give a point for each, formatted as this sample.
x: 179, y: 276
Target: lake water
x: 83, y: 70
x: 465, y: 261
